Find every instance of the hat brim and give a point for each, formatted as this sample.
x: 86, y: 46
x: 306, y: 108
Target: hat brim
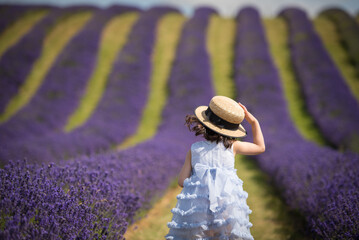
x: 200, y: 114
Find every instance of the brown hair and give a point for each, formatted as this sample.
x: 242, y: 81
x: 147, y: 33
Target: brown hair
x: 194, y: 125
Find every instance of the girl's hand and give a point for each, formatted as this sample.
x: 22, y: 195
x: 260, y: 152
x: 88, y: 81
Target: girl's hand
x: 247, y: 115
x: 258, y: 145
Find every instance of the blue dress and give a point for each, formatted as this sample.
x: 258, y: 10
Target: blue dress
x: 212, y: 204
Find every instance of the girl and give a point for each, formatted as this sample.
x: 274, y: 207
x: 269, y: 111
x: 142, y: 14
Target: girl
x: 212, y: 204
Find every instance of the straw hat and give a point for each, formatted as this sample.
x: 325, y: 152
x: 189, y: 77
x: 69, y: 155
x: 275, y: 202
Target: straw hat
x: 223, y: 115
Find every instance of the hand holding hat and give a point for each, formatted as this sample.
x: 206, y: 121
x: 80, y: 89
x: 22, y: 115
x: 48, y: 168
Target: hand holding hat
x: 247, y: 115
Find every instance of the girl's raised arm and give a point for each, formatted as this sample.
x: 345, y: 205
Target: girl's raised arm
x: 258, y: 145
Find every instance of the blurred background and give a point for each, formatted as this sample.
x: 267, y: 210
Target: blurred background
x: 226, y: 7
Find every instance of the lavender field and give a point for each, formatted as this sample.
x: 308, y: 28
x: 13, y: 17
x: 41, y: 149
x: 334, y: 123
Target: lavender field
x: 76, y: 160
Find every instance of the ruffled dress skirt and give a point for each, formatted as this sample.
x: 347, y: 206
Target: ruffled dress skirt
x: 212, y: 205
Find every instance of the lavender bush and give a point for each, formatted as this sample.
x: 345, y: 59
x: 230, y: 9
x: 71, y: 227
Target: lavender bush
x: 10, y: 13
x: 107, y: 192
x: 17, y: 61
x: 327, y: 97
x: 118, y: 112
x: 348, y: 30
x: 319, y: 182
x: 64, y: 84
x: 70, y: 202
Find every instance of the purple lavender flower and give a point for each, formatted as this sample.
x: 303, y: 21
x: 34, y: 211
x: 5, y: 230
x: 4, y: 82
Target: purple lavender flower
x: 315, y: 180
x: 327, y: 97
x: 52, y: 202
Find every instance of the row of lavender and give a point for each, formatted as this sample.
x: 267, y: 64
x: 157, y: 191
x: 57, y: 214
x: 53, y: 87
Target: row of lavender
x: 318, y: 181
x: 329, y: 100
x: 118, y: 112
x: 15, y: 69
x: 348, y: 30
x: 17, y: 61
x: 112, y: 186
x: 10, y: 13
x: 63, y: 85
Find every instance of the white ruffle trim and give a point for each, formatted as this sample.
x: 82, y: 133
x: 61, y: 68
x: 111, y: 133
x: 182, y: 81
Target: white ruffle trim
x: 205, y: 210
x: 205, y: 225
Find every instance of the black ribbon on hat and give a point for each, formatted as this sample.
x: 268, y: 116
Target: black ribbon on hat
x: 219, y: 122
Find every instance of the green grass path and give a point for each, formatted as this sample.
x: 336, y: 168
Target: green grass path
x: 13, y: 33
x: 54, y: 43
x: 270, y: 217
x: 113, y: 38
x: 220, y: 45
x: 168, y: 33
x: 277, y: 35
